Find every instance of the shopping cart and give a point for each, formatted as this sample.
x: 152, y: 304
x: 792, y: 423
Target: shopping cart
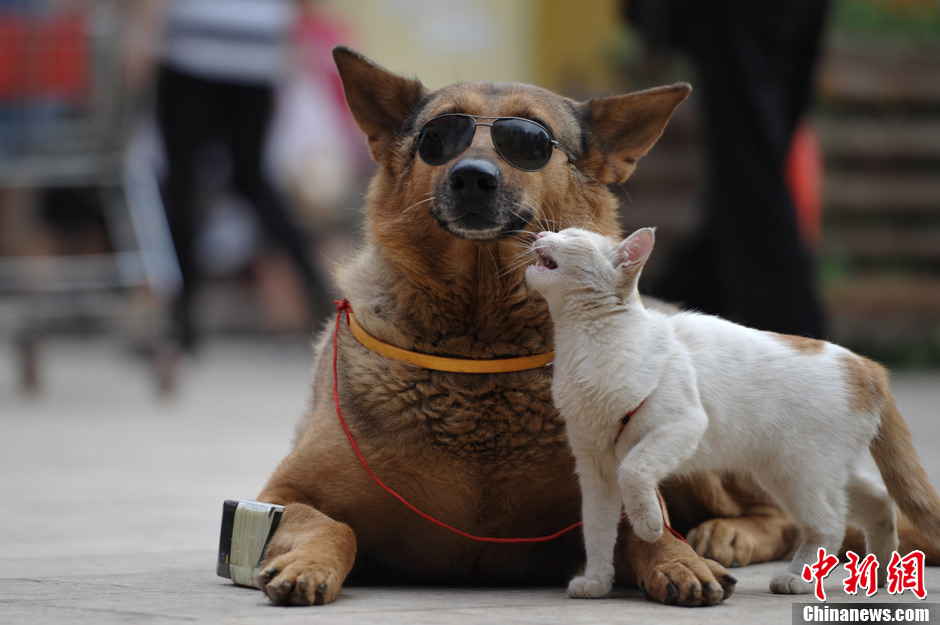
x: 64, y: 122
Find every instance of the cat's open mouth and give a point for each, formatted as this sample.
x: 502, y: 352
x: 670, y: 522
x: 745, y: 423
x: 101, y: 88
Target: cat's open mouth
x: 544, y: 260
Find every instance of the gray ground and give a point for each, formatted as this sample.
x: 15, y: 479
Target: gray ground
x: 111, y: 502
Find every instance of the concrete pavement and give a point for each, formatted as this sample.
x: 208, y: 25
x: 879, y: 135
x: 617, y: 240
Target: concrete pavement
x: 104, y: 519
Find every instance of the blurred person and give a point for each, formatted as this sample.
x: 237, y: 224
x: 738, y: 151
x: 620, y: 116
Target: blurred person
x: 313, y: 120
x: 218, y: 64
x: 756, y: 64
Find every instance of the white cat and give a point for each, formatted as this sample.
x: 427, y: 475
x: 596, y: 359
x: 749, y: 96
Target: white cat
x: 797, y: 414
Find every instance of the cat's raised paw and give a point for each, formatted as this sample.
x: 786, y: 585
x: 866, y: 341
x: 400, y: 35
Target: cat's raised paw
x: 642, y: 506
x: 790, y: 584
x: 583, y: 587
x: 649, y: 530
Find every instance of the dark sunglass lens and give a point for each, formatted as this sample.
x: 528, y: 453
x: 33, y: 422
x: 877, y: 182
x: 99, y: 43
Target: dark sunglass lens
x: 444, y: 138
x: 523, y: 143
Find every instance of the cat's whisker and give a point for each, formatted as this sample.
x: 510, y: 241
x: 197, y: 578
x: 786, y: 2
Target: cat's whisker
x: 518, y: 261
x: 538, y: 219
x: 526, y: 257
x: 522, y: 233
x: 522, y: 237
x: 544, y: 222
x: 521, y: 216
x: 418, y: 203
x: 494, y: 261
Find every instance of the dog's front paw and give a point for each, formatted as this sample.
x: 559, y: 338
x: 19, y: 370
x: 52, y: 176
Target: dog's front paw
x: 790, y: 584
x: 688, y: 581
x: 727, y: 541
x: 308, y: 558
x: 295, y: 579
x: 584, y: 587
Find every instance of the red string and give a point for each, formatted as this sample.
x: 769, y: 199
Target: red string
x: 675, y: 532
x: 343, y: 306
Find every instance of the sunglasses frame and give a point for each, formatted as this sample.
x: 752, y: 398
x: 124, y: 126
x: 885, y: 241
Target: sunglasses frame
x: 476, y: 124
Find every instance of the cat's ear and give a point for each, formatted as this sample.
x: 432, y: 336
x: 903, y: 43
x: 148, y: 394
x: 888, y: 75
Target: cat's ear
x: 380, y: 100
x: 631, y: 255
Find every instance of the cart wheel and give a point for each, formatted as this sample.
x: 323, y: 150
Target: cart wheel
x: 27, y: 348
x: 166, y: 364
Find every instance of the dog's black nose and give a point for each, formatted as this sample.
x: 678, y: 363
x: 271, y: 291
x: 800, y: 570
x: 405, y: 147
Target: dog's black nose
x: 474, y: 180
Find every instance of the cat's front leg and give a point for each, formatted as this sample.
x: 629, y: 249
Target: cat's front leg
x: 642, y: 507
x: 659, y: 453
x: 600, y: 512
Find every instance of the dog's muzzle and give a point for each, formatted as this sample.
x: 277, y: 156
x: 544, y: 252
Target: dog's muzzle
x: 473, y: 203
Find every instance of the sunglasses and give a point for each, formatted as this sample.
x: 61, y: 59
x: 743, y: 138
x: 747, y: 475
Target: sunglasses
x: 523, y: 143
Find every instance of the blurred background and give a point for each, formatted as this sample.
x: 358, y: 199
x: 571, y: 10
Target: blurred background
x: 121, y: 190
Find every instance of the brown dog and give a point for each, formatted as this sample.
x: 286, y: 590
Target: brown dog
x: 441, y: 274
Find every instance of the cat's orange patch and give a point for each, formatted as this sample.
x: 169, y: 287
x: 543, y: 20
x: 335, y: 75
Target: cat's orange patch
x: 867, y: 381
x: 801, y: 344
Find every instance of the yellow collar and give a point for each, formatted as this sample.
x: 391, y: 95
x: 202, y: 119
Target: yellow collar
x: 440, y: 363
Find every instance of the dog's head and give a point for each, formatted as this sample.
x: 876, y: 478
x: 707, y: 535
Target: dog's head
x: 477, y: 195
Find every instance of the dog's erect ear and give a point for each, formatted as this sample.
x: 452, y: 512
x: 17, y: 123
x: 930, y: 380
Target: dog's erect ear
x: 623, y: 128
x: 631, y: 255
x: 380, y: 101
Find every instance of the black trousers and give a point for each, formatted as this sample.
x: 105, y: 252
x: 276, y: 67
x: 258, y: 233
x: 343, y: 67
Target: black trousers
x: 756, y: 65
x: 194, y: 113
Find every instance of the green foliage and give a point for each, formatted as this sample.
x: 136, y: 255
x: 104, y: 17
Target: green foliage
x: 910, y: 20
x: 902, y: 354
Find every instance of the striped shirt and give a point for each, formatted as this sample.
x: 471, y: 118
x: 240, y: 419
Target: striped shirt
x: 233, y: 40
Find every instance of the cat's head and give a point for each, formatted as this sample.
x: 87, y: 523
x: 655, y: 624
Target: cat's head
x: 576, y: 259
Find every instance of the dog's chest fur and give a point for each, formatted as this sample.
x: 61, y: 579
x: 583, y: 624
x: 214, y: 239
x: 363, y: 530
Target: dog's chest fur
x: 509, y: 416
x: 486, y: 416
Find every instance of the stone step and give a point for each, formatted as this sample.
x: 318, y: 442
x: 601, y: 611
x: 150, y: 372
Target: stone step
x: 865, y: 193
x: 877, y: 77
x: 880, y: 138
x: 880, y: 242
x: 881, y: 297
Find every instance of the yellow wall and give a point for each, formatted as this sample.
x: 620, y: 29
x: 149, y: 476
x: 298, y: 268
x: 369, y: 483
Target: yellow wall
x: 555, y: 43
x: 445, y: 41
x: 573, y: 40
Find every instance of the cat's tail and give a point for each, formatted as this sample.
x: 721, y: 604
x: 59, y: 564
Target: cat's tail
x: 902, y: 471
